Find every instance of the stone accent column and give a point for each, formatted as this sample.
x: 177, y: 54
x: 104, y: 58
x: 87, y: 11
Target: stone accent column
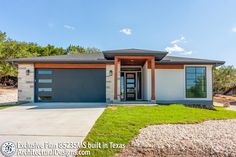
x: 26, y: 82
x: 109, y: 83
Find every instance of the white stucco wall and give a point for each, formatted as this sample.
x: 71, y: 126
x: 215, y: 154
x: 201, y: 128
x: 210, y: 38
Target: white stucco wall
x: 25, y: 83
x: 146, y: 82
x: 170, y: 84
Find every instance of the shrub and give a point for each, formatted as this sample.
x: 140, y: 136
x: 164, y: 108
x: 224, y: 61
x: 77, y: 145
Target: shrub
x: 202, y: 106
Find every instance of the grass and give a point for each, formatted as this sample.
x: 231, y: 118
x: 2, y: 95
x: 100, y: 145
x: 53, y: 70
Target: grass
x: 10, y: 105
x: 119, y: 124
x: 5, y: 106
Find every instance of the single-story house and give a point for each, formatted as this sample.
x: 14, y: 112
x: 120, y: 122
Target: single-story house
x: 116, y: 76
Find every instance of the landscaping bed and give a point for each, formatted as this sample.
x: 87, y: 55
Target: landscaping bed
x: 210, y: 138
x: 120, y: 124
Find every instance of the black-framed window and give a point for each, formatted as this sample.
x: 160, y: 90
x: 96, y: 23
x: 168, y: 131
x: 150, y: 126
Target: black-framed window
x: 195, y: 82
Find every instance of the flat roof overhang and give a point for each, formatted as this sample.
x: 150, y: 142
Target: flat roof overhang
x: 64, y: 61
x: 215, y: 63
x: 110, y: 54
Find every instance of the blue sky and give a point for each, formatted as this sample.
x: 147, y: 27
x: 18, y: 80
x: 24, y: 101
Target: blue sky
x: 190, y: 28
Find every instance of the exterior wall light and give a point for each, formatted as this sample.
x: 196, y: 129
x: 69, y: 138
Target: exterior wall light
x: 110, y: 73
x: 27, y: 72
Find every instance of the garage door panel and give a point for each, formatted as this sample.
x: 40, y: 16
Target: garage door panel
x: 75, y: 85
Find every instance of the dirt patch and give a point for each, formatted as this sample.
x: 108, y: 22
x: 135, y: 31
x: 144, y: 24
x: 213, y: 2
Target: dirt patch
x: 225, y: 99
x: 8, y: 95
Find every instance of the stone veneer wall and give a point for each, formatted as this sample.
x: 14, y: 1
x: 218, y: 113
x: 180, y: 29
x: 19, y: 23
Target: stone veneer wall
x: 109, y: 83
x: 118, y: 82
x: 25, y: 83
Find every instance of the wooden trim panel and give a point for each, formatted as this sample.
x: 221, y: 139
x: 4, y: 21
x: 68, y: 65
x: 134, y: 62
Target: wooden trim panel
x: 171, y: 66
x: 115, y: 78
x: 71, y: 66
x: 153, y: 79
x: 167, y: 66
x: 134, y: 57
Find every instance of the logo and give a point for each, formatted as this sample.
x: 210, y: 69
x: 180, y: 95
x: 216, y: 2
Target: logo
x: 8, y: 149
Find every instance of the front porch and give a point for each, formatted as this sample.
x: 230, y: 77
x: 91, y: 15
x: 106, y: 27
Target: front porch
x: 132, y: 75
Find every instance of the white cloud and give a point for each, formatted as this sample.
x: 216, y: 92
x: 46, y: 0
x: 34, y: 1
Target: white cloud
x: 234, y: 29
x: 69, y: 27
x: 176, y: 48
x: 126, y: 31
x: 181, y: 40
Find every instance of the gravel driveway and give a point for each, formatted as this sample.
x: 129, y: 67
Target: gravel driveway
x: 210, y: 138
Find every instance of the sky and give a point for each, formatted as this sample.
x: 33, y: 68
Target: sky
x: 186, y: 28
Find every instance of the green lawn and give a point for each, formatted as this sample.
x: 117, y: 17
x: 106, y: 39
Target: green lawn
x: 9, y: 105
x: 119, y: 124
x: 5, y: 106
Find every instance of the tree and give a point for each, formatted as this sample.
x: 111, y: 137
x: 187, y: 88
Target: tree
x: 75, y: 49
x: 3, y: 36
x: 10, y: 49
x: 223, y: 78
x: 92, y: 50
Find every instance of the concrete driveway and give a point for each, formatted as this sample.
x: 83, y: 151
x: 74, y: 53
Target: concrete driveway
x: 50, y: 123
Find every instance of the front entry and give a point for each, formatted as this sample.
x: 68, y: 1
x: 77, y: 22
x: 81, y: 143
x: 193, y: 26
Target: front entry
x: 130, y: 86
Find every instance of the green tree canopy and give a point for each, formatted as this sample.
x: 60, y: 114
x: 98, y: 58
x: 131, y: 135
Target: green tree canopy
x: 223, y: 78
x: 10, y: 49
x: 75, y: 49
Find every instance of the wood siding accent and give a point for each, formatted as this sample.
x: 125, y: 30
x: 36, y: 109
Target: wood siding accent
x: 134, y: 57
x: 116, y: 77
x: 167, y: 66
x: 153, y: 78
x: 70, y: 66
x: 174, y: 66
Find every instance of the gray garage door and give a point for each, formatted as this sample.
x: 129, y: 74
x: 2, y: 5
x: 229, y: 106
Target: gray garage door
x: 70, y: 85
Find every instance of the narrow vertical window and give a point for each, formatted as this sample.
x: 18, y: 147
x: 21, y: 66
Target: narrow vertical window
x: 122, y: 90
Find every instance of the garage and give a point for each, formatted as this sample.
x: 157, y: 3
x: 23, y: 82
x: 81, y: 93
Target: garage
x: 70, y: 85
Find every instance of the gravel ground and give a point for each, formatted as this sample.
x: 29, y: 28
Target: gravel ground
x: 210, y: 138
x: 8, y: 95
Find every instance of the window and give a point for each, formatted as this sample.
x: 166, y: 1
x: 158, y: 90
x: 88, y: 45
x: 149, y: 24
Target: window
x: 45, y: 89
x: 45, y: 80
x: 196, y: 82
x: 47, y: 72
x: 122, y: 89
x: 42, y: 98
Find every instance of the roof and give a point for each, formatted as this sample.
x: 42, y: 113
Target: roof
x: 185, y: 60
x: 70, y: 58
x: 108, y: 56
